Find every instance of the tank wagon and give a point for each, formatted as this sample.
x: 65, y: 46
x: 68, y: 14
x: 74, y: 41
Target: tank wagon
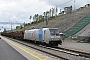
x: 43, y: 35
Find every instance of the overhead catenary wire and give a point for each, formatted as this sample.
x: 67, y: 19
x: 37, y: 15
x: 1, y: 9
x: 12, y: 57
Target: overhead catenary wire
x: 41, y: 6
x: 48, y: 2
x: 64, y: 3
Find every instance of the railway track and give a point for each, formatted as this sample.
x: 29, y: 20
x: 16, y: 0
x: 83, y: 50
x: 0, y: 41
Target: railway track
x: 69, y: 51
x: 59, y: 50
x: 79, y: 53
x: 25, y: 44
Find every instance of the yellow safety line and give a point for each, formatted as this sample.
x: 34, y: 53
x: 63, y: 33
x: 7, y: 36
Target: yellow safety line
x: 25, y: 50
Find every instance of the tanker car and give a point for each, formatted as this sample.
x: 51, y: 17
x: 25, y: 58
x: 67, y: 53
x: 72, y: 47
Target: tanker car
x: 43, y: 35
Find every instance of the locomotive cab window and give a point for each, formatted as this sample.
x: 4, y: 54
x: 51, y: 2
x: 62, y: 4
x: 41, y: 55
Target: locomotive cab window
x: 44, y: 31
x: 54, y: 32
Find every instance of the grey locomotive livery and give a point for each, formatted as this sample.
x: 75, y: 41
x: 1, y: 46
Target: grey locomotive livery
x: 45, y: 35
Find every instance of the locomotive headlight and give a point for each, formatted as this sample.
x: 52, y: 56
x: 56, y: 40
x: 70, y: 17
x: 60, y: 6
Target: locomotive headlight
x: 52, y: 39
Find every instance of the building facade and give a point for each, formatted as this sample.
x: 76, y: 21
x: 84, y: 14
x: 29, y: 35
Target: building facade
x: 68, y: 10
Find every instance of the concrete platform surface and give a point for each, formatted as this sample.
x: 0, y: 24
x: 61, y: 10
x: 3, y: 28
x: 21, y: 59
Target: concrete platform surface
x: 29, y: 53
x: 9, y: 53
x: 76, y: 46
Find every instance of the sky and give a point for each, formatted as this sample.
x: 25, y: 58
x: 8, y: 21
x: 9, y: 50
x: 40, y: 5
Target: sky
x: 18, y: 11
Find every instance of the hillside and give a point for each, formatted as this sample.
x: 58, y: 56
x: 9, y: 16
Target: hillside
x: 65, y: 21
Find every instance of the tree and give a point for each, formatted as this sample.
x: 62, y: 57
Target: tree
x: 53, y: 10
x: 34, y: 17
x: 21, y: 27
x: 44, y: 15
x: 37, y: 18
x: 56, y: 10
x: 30, y: 18
x: 47, y: 13
x: 50, y: 12
x: 17, y: 27
x: 5, y: 30
x: 40, y: 18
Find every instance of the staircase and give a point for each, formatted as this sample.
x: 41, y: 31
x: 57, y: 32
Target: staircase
x: 78, y: 26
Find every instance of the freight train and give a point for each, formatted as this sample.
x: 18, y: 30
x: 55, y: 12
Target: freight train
x: 43, y: 35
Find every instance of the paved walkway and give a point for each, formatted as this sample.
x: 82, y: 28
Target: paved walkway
x: 8, y: 53
x: 77, y: 46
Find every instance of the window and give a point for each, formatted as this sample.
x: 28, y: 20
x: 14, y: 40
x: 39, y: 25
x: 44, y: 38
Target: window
x: 54, y: 32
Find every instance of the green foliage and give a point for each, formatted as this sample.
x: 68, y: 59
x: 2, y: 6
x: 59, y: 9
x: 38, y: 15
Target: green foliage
x: 21, y: 27
x: 30, y: 17
x: 17, y: 27
x: 53, y: 10
x: 5, y: 30
x: 40, y: 18
x: 26, y: 24
x: 56, y: 10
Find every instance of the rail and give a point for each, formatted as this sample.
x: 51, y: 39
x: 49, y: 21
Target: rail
x: 60, y: 49
x: 41, y: 50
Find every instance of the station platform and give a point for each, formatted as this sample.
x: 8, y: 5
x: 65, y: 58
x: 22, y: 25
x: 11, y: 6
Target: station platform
x: 9, y: 53
x: 85, y: 47
x: 24, y: 51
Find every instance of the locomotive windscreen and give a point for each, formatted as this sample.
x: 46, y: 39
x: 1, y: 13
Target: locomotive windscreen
x: 54, y: 32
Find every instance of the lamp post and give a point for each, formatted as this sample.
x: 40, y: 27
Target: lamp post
x: 11, y: 25
x: 30, y: 18
x: 24, y: 25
